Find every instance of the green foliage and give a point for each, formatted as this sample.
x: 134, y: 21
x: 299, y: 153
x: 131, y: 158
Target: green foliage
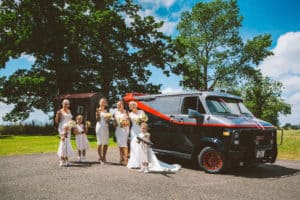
x: 290, y: 149
x: 79, y: 46
x: 263, y: 97
x: 289, y: 126
x: 32, y: 129
x: 211, y: 51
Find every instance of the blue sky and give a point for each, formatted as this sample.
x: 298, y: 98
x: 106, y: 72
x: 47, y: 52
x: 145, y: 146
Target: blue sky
x: 279, y: 18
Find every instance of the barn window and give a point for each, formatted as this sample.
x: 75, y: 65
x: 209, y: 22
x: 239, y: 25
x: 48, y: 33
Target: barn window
x: 80, y: 109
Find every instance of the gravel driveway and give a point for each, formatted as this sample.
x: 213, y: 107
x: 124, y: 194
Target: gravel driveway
x: 38, y: 176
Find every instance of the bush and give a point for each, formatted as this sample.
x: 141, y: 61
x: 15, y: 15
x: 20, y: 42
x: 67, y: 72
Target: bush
x: 28, y: 129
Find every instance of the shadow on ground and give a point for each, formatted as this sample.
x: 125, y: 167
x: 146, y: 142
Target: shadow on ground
x: 264, y: 171
x: 258, y: 171
x: 82, y: 164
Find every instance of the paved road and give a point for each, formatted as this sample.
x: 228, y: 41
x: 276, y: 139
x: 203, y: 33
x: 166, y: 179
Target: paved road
x: 39, y: 177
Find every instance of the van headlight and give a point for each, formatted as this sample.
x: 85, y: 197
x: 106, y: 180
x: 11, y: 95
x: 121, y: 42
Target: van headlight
x: 226, y: 133
x: 236, y: 138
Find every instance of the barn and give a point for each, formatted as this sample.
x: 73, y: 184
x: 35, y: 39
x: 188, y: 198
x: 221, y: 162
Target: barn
x: 81, y: 103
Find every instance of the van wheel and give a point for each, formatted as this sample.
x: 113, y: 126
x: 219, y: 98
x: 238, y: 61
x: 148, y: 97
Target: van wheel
x: 211, y: 160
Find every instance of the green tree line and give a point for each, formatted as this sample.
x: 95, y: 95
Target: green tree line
x: 107, y: 47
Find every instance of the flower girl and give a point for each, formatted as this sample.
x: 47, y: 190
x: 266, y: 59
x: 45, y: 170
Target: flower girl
x: 145, y: 154
x: 149, y: 161
x: 81, y: 139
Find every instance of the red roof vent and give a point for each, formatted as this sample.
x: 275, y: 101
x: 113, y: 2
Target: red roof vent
x: 130, y: 96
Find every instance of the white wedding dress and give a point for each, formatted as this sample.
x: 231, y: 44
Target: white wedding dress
x: 155, y: 165
x: 134, y: 159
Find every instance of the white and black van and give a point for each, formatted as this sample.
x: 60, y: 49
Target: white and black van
x: 215, y: 129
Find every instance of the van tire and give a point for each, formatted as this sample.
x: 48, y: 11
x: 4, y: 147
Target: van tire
x: 211, y: 160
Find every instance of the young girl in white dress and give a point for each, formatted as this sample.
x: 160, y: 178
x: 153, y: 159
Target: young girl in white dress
x: 102, y: 130
x: 137, y: 117
x: 148, y: 158
x: 63, y: 117
x: 122, y: 131
x: 82, y: 142
x: 145, y: 154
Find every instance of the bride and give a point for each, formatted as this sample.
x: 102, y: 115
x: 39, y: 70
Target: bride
x: 137, y: 117
x: 149, y: 161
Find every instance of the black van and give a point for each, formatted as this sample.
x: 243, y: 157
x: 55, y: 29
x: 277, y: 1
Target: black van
x: 215, y: 129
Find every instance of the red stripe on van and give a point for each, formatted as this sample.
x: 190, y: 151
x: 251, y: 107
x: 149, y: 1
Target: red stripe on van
x: 166, y: 117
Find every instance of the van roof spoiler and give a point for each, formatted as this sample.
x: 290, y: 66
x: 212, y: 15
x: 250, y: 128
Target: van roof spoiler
x: 134, y: 96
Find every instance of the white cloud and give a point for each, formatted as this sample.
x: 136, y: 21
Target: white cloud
x: 149, y: 8
x: 169, y: 27
x: 294, y: 118
x: 36, y: 116
x: 29, y: 58
x: 170, y: 90
x: 4, y: 108
x: 285, y: 67
x: 157, y: 3
x: 286, y: 60
x: 290, y: 83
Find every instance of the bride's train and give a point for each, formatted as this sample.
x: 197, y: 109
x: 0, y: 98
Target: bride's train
x: 156, y: 165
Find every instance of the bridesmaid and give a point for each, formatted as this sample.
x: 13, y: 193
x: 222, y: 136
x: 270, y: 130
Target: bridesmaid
x: 137, y: 117
x: 122, y: 131
x: 102, y: 131
x: 62, y: 118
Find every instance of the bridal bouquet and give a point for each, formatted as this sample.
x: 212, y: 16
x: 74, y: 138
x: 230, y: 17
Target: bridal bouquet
x: 123, y: 122
x: 107, y: 116
x: 71, y: 124
x: 141, y: 119
x: 88, y: 124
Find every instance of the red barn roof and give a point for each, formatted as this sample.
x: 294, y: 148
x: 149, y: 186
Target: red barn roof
x: 77, y: 95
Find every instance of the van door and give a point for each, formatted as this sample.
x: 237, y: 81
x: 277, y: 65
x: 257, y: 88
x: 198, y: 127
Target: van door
x: 185, y: 135
x: 160, y: 128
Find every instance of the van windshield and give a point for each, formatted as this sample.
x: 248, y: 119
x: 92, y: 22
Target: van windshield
x: 227, y: 106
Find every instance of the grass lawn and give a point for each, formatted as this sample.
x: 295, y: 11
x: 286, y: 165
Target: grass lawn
x: 14, y: 145
x: 290, y: 149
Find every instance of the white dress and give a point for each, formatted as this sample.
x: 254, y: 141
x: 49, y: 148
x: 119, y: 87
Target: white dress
x: 154, y: 165
x: 82, y: 142
x: 65, y: 147
x: 102, y: 131
x: 134, y: 159
x: 122, y: 133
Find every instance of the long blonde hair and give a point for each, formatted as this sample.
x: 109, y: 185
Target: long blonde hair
x: 103, y: 100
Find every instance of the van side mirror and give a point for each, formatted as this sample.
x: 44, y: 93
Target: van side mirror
x: 194, y: 114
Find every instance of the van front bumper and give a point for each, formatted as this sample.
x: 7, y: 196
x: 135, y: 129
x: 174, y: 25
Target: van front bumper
x: 265, y: 154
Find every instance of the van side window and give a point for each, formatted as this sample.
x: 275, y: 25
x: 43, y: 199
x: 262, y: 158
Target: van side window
x: 192, y: 103
x: 165, y: 104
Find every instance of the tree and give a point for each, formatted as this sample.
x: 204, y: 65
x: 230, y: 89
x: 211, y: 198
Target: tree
x: 211, y: 52
x: 263, y: 97
x: 212, y: 55
x: 79, y: 46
